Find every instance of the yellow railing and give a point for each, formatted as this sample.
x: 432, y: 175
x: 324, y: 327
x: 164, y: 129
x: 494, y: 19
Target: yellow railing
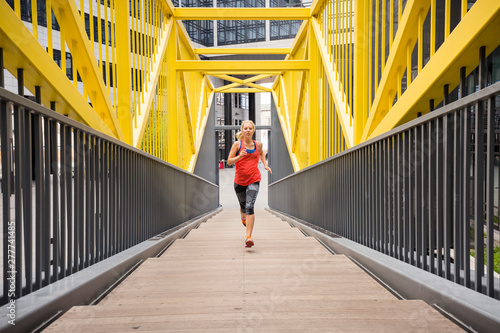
x: 357, y: 68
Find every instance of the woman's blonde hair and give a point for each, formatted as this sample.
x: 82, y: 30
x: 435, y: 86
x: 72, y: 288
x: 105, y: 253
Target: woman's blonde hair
x: 239, y: 135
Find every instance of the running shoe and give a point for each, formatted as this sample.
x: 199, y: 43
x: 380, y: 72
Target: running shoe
x: 244, y: 222
x: 249, y: 242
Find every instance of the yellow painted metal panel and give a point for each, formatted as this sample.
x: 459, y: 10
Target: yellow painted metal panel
x: 40, y: 70
x: 185, y: 13
x: 459, y: 50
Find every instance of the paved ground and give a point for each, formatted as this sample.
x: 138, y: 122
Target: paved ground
x: 287, y: 282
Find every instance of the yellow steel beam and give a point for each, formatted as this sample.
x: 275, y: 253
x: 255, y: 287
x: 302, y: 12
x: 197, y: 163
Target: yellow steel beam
x: 336, y: 89
x: 250, y: 85
x: 240, y: 72
x: 316, y: 6
x: 250, y: 66
x: 299, y: 38
x: 461, y: 49
x: 185, y: 13
x: 188, y: 106
x: 78, y: 43
x: 360, y: 68
x: 244, y: 90
x: 169, y: 7
x: 220, y: 50
x: 22, y: 50
x: 406, y: 37
x: 313, y: 92
x: 172, y: 131
x: 142, y: 119
x: 245, y: 81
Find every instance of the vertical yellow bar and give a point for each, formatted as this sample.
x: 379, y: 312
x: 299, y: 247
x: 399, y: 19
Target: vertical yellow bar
x: 383, y: 34
x: 17, y: 8
x: 82, y: 12
x: 398, y: 80
x: 314, y: 105
x: 337, y: 39
x: 376, y: 41
x: 408, y: 64
x: 106, y: 45
x: 134, y: 68
x: 351, y: 60
x: 48, y: 7
x: 464, y: 8
x: 420, y: 41
x: 447, y: 13
x: 115, y: 90
x: 344, y: 53
x: 137, y: 56
x: 62, y: 36
x: 370, y: 53
x: 433, y: 28
x: 400, y: 11
x: 143, y: 51
x: 99, y: 32
x: 34, y: 18
x: 331, y: 38
x: 360, y: 67
x: 122, y: 34
x: 91, y: 22
x: 391, y: 24
x: 75, y: 73
x: 172, y: 96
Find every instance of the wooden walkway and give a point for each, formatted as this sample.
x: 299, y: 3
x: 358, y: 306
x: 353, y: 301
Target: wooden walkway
x: 209, y: 282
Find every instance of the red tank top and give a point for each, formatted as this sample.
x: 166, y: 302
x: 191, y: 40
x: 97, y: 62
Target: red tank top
x: 247, y: 171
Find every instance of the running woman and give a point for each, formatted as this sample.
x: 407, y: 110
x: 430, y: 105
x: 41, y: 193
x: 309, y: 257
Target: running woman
x: 245, y: 153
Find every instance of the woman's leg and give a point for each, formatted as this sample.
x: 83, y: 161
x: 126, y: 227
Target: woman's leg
x: 251, y: 195
x: 241, y: 195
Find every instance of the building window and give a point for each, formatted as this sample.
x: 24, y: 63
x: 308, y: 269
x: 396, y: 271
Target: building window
x: 219, y: 98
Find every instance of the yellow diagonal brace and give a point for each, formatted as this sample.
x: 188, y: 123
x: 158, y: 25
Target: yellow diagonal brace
x: 235, y: 65
x: 169, y: 6
x: 406, y: 35
x: 340, y: 104
x: 76, y: 37
x: 221, y: 73
x: 241, y: 13
x: 188, y: 111
x: 243, y: 90
x: 222, y: 50
x: 22, y: 50
x: 461, y: 49
x: 316, y: 6
x: 142, y: 119
x: 237, y: 84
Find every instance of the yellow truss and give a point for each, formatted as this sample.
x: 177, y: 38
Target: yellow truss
x: 329, y: 92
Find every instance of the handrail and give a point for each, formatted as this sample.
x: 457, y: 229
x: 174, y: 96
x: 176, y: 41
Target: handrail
x: 72, y: 196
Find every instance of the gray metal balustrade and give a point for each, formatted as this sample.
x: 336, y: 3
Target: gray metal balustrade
x: 426, y: 193
x: 72, y: 197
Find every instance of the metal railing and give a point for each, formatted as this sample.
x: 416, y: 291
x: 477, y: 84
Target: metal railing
x: 426, y: 192
x: 72, y: 197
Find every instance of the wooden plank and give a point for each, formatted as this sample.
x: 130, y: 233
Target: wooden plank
x: 209, y: 282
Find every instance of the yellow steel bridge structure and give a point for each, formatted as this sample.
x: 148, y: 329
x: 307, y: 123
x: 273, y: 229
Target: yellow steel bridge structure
x: 356, y: 69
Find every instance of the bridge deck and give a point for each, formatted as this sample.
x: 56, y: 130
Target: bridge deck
x: 209, y: 282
